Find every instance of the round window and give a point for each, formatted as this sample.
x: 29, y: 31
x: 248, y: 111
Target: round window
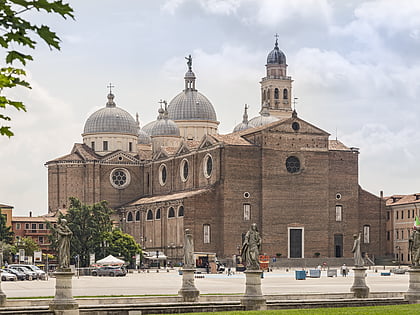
x: 208, y: 165
x: 120, y: 178
x: 183, y: 170
x: 247, y: 194
x: 295, y: 126
x: 162, y: 174
x: 338, y: 196
x: 292, y: 164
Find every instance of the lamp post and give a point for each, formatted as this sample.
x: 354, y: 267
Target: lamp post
x: 399, y: 256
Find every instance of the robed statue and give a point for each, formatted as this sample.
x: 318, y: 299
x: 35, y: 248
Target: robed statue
x: 357, y: 254
x: 189, y: 262
x: 64, y: 234
x: 251, y: 248
x: 414, y: 246
x: 189, y: 62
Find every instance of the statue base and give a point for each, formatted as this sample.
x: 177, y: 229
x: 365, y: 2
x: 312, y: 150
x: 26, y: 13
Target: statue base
x: 188, y: 291
x: 253, y: 298
x: 360, y: 289
x: 63, y: 302
x: 2, y: 296
x: 413, y: 293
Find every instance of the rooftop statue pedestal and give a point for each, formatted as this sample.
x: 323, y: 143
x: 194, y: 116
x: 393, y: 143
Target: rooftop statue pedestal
x: 413, y: 293
x: 188, y: 291
x: 63, y: 302
x: 253, y: 298
x: 360, y: 289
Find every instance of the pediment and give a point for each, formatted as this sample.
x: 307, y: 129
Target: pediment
x: 183, y: 149
x: 119, y: 157
x: 161, y: 154
x: 295, y: 125
x: 206, y: 142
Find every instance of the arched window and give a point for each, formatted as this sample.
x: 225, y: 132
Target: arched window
x: 276, y: 93
x: 129, y: 217
x: 184, y: 170
x: 171, y: 213
x: 285, y: 94
x: 208, y: 165
x: 181, y: 211
x: 137, y: 215
x: 149, y: 215
x: 158, y: 214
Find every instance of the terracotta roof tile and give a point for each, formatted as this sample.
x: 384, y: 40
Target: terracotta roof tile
x: 174, y: 196
x: 337, y: 146
x: 402, y: 199
x: 33, y: 219
x: 232, y: 139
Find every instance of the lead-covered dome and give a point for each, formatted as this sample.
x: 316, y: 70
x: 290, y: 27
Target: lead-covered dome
x: 164, y: 126
x: 276, y: 56
x: 191, y: 105
x: 264, y: 118
x: 245, y: 123
x: 111, y: 119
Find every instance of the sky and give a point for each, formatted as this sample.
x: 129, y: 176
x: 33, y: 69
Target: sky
x: 355, y: 66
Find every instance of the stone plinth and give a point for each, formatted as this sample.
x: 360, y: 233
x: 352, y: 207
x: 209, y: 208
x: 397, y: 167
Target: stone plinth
x: 2, y: 296
x: 413, y: 293
x: 360, y: 289
x: 63, y: 302
x: 253, y: 298
x: 188, y: 292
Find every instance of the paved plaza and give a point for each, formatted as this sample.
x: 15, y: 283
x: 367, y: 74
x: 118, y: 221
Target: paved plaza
x: 153, y: 283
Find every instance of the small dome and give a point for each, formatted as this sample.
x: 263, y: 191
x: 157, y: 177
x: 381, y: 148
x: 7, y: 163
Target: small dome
x: 191, y: 105
x: 143, y: 137
x: 276, y: 56
x: 111, y: 119
x: 164, y: 126
x: 264, y: 118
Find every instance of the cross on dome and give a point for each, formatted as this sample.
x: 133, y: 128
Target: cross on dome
x: 110, y: 86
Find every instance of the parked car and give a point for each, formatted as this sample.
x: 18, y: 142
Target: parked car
x: 29, y: 274
x: 111, y: 271
x: 40, y: 274
x: 19, y: 275
x: 7, y: 276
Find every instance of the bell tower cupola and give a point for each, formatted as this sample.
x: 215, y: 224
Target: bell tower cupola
x: 276, y: 86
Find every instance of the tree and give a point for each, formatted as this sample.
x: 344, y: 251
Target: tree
x: 6, y: 233
x: 122, y: 244
x: 19, y: 33
x: 29, y: 245
x: 89, y: 224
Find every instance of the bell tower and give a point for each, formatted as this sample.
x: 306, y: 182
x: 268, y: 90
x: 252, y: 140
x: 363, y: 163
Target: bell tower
x: 276, y: 86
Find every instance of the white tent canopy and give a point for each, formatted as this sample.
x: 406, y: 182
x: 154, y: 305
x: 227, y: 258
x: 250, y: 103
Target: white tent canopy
x: 110, y: 260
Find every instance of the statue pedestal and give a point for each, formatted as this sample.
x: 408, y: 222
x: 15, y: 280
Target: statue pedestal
x: 360, y: 289
x: 2, y: 296
x: 63, y: 302
x: 253, y: 298
x: 413, y: 293
x: 188, y: 292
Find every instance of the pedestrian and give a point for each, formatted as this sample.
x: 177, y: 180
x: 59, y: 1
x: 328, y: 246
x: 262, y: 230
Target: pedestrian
x: 229, y: 272
x: 344, y: 270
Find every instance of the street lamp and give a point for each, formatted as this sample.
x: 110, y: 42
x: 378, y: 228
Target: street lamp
x: 399, y: 256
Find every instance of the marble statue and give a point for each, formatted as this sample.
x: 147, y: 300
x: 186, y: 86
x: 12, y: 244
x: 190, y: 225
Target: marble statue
x: 358, y: 260
x: 251, y: 248
x: 189, y: 262
x: 64, y: 235
x: 414, y: 246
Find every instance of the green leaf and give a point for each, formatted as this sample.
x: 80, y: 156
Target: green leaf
x: 15, y: 55
x: 48, y: 36
x: 5, y: 131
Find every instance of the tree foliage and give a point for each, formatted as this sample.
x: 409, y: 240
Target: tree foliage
x: 29, y: 245
x: 6, y: 233
x: 17, y: 35
x: 122, y: 245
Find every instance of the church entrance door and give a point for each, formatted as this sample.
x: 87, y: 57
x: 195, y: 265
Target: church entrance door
x: 338, y: 245
x: 295, y: 243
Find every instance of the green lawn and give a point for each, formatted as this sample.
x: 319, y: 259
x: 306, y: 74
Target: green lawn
x: 380, y: 310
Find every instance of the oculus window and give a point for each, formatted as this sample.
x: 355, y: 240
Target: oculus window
x: 120, y: 178
x: 184, y: 169
x: 292, y: 164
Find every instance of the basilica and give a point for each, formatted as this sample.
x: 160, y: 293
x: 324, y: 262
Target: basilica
x: 177, y: 172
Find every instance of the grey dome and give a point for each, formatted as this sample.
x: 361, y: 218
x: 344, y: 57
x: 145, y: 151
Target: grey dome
x: 143, y: 137
x: 146, y: 128
x: 276, y: 56
x: 111, y: 119
x: 264, y: 118
x: 164, y: 126
x: 191, y: 105
x: 242, y: 126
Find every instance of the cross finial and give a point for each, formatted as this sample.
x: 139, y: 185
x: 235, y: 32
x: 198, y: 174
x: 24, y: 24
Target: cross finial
x: 162, y: 102
x: 110, y: 86
x: 277, y: 37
